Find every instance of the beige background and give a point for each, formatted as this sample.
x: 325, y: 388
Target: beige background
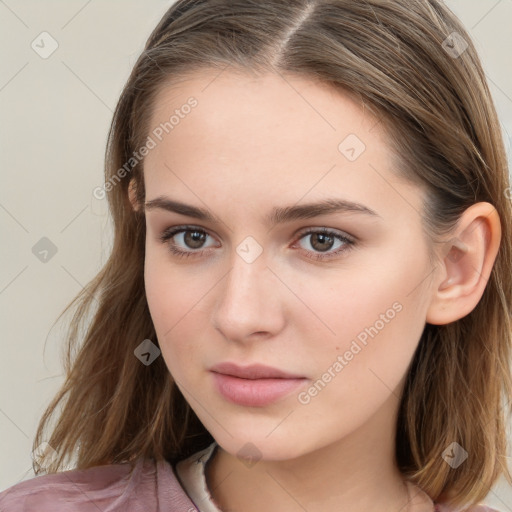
x: 55, y: 115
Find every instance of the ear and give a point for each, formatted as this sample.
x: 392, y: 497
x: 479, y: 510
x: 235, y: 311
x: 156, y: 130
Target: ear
x: 466, y: 265
x: 132, y: 194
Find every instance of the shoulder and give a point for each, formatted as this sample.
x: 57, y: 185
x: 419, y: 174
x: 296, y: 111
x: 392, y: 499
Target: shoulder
x: 475, y: 508
x: 145, y: 486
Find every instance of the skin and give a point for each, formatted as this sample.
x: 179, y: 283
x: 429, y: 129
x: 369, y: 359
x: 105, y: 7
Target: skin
x: 252, y: 144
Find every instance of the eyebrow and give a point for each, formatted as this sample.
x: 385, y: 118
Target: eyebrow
x: 278, y: 215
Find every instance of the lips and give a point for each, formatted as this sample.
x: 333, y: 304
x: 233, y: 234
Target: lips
x: 255, y: 385
x: 254, y: 371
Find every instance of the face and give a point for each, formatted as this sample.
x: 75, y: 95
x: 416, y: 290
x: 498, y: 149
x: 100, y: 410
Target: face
x: 337, y: 298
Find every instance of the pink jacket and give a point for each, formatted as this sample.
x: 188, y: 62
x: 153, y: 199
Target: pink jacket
x: 151, y: 487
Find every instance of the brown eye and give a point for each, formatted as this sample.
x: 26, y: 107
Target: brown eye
x: 321, y: 241
x: 185, y: 241
x: 194, y: 239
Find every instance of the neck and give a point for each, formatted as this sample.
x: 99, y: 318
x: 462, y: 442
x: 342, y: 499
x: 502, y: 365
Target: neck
x: 355, y: 474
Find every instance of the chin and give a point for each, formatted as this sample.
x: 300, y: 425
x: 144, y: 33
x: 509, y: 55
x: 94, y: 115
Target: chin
x: 252, y: 448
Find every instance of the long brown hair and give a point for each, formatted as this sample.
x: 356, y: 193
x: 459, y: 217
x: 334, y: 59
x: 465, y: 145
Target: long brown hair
x: 407, y: 62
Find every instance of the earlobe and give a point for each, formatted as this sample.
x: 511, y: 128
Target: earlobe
x: 465, y: 265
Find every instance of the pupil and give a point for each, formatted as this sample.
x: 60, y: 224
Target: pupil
x: 195, y: 237
x: 323, y: 238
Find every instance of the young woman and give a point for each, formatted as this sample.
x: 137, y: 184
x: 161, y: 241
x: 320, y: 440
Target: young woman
x: 308, y: 301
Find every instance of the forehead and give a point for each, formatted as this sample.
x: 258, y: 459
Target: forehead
x: 261, y: 136
x: 259, y: 107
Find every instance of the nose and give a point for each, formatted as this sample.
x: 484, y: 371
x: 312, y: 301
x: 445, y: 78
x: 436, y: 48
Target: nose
x: 249, y: 301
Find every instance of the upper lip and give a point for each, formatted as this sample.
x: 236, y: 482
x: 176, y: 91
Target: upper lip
x: 253, y: 371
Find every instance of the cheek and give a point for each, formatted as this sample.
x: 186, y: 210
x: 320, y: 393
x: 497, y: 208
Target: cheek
x: 172, y: 289
x: 377, y: 317
x: 175, y: 298
x: 352, y: 298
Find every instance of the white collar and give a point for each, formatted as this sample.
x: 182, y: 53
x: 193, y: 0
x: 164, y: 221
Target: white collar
x: 191, y: 473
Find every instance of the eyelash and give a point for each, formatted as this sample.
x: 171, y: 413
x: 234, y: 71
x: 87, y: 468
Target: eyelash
x: 170, y: 232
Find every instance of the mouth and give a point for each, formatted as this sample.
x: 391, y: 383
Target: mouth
x: 255, y: 385
x: 253, y: 371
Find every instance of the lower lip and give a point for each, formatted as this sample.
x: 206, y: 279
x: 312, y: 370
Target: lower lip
x: 254, y: 392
